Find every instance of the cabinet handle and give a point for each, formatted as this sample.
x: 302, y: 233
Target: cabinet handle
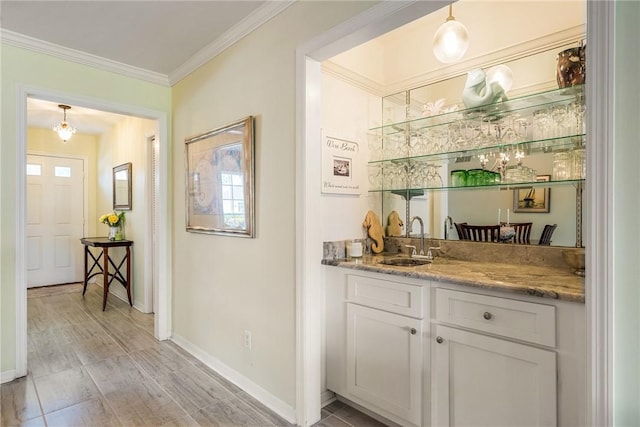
x: 439, y: 340
x: 487, y: 315
x: 413, y: 331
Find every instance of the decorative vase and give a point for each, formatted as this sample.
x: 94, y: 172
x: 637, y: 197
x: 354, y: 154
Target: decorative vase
x: 114, y: 232
x: 570, y: 67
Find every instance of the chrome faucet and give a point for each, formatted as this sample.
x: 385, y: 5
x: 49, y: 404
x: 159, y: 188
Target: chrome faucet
x: 449, y: 220
x: 421, y: 231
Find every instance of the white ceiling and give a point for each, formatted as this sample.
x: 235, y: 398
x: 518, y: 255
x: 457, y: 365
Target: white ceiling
x: 158, y: 40
x: 157, y: 36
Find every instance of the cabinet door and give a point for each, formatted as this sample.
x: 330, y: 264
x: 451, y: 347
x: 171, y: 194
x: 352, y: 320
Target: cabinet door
x: 484, y: 381
x: 384, y: 360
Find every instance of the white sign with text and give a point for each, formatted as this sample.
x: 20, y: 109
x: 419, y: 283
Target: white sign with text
x: 340, y: 160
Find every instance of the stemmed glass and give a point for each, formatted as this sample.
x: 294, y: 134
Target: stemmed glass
x: 510, y: 136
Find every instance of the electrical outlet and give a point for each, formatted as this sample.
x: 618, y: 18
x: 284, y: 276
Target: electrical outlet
x: 247, y: 339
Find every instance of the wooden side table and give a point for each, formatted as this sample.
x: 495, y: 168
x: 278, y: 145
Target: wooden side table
x: 105, y: 244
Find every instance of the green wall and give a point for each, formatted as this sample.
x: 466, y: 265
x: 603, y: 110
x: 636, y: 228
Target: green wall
x: 44, y: 72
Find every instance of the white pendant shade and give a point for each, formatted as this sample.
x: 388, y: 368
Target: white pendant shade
x: 451, y: 41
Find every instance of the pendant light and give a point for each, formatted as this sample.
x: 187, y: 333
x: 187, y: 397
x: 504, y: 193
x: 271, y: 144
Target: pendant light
x: 64, y: 129
x: 451, y: 41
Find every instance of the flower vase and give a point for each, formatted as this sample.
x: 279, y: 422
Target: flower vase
x: 114, y: 232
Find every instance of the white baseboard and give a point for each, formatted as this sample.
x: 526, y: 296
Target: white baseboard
x: 263, y: 396
x: 6, y: 376
x: 327, y: 397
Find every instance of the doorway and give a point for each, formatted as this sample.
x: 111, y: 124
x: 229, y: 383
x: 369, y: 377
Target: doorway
x: 362, y: 28
x: 162, y: 314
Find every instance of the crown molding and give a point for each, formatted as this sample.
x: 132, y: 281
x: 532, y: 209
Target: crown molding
x: 353, y: 78
x: 250, y: 23
x: 515, y: 51
x: 35, y: 45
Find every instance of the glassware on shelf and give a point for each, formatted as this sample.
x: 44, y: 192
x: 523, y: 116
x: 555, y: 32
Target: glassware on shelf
x: 578, y: 165
x: 374, y: 172
x: 519, y: 173
x: 434, y: 180
x: 562, y: 163
x: 475, y: 177
x: 459, y: 178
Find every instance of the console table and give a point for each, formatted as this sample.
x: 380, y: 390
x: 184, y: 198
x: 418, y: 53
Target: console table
x: 107, y: 277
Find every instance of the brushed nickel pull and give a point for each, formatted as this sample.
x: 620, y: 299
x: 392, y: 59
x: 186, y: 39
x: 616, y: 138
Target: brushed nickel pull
x: 487, y: 315
x: 413, y: 331
x: 439, y: 340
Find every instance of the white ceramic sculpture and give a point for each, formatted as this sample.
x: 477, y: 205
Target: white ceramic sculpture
x: 477, y: 93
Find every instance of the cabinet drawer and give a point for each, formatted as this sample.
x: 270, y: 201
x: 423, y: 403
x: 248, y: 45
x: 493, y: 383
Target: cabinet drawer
x: 394, y: 297
x: 521, y: 320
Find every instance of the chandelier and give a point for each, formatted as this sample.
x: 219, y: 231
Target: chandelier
x: 64, y: 129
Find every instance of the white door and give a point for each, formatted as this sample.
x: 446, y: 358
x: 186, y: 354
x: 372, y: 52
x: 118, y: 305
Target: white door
x: 384, y: 360
x: 485, y: 381
x: 55, y: 220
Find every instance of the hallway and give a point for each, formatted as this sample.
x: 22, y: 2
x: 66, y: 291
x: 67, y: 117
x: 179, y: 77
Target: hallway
x: 93, y: 368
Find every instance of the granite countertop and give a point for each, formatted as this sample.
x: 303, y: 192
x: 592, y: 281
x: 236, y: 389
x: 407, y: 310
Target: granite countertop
x: 539, y: 281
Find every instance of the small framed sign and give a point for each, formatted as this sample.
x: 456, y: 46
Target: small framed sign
x: 340, y: 162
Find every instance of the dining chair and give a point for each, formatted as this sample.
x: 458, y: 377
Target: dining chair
x: 482, y: 233
x: 460, y: 229
x: 523, y: 232
x: 547, y: 231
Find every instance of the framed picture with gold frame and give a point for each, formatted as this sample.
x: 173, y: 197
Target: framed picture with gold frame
x: 533, y: 199
x: 219, y: 184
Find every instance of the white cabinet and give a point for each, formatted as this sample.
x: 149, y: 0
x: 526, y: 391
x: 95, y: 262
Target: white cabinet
x: 485, y: 381
x: 376, y: 346
x: 384, y: 360
x: 504, y: 359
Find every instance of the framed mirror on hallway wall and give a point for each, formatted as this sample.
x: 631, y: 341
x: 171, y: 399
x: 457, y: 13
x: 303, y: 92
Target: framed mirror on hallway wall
x: 122, y: 187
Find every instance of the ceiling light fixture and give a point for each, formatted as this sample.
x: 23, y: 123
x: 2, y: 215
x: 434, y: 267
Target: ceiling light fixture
x: 451, y: 41
x: 65, y: 129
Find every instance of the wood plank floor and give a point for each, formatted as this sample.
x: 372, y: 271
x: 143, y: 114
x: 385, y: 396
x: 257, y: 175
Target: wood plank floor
x: 87, y: 367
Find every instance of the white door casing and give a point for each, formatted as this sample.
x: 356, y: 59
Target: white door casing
x: 162, y: 329
x: 55, y: 220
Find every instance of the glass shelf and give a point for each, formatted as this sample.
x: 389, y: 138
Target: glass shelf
x: 413, y: 192
x: 548, y: 145
x: 523, y: 105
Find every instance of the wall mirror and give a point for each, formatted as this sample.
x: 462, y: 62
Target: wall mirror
x: 219, y: 180
x: 122, y: 187
x: 533, y: 73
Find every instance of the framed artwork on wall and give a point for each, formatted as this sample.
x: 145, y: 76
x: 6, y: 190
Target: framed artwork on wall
x: 219, y: 185
x: 533, y: 199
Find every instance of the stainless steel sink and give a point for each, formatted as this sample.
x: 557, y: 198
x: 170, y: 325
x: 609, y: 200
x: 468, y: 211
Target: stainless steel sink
x: 404, y: 262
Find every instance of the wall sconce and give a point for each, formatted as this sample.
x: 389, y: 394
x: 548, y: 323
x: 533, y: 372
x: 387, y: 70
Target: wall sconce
x: 64, y: 129
x: 451, y: 41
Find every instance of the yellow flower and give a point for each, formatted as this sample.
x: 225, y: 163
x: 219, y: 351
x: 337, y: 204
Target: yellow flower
x: 113, y: 219
x: 103, y: 218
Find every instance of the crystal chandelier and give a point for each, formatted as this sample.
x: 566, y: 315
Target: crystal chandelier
x: 64, y: 129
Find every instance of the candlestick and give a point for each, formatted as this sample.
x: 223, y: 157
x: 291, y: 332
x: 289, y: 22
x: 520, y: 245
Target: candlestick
x: 499, y: 216
x: 507, y: 216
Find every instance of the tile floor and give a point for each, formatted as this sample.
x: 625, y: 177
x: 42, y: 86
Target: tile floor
x: 93, y: 368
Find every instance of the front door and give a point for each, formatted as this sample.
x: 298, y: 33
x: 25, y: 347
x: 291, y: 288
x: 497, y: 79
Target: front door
x: 55, y: 220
